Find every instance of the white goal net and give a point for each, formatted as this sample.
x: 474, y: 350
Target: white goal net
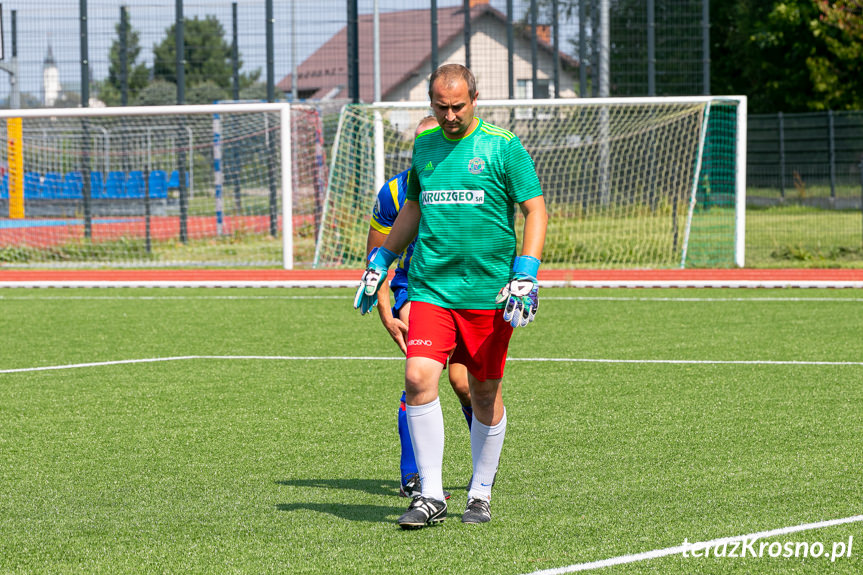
x: 162, y: 186
x: 629, y: 183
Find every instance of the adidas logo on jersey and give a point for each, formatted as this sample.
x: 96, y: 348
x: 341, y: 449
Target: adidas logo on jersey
x: 428, y: 167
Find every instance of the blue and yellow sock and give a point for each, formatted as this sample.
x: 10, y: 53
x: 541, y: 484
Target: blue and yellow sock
x: 468, y: 414
x: 408, y: 464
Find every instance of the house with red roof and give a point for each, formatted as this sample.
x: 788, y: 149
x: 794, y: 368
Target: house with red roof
x: 405, y: 55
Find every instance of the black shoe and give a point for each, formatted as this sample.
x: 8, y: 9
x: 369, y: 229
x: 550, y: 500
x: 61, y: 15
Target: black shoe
x: 412, y: 487
x: 477, y: 511
x: 423, y: 511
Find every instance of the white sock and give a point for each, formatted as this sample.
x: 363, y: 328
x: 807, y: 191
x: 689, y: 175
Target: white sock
x: 486, y: 444
x: 425, y: 423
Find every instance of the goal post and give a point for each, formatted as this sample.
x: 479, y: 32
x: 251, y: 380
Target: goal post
x: 219, y: 185
x: 628, y: 182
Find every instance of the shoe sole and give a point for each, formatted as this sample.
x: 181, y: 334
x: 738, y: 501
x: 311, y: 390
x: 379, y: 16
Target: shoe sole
x: 431, y: 523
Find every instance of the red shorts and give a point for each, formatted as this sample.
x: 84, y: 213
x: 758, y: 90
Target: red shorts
x: 480, y: 337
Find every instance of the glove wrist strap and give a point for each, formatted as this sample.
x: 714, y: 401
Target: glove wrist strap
x: 382, y: 257
x: 526, y: 265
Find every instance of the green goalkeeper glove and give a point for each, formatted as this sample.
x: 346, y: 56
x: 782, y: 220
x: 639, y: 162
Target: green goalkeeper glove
x: 521, y: 293
x: 376, y: 272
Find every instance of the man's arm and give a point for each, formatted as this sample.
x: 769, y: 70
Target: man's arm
x: 535, y: 223
x: 394, y: 326
x: 521, y: 293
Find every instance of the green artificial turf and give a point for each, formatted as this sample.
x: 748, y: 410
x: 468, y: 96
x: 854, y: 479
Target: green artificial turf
x: 264, y: 441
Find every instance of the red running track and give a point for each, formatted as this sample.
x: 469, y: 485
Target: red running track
x: 815, y: 278
x: 105, y: 228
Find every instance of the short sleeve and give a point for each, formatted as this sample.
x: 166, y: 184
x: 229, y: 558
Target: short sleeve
x: 522, y: 181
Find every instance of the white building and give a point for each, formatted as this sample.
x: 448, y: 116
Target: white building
x: 51, y: 88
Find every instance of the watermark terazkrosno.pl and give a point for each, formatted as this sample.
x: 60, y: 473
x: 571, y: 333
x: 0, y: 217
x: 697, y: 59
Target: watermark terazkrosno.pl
x: 753, y: 547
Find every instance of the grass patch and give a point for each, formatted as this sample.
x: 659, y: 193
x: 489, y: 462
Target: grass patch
x: 290, y: 465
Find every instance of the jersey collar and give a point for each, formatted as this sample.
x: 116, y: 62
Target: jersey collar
x: 467, y: 135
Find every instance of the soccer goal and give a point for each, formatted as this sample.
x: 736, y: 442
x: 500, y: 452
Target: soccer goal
x: 216, y: 185
x: 628, y: 182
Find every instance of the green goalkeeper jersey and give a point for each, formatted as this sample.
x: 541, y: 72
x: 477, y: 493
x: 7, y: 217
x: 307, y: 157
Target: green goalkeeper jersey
x: 467, y: 190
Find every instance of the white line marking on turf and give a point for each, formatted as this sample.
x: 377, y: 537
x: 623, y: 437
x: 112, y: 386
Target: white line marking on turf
x: 622, y: 284
x: 401, y: 358
x: 703, y: 299
x: 341, y: 297
x: 656, y: 553
x: 169, y: 297
x: 686, y: 361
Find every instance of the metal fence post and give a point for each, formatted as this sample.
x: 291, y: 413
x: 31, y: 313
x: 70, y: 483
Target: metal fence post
x: 510, y: 51
x: 270, y: 48
x: 781, y: 156
x: 85, y: 56
x: 651, y: 47
x: 705, y: 46
x: 831, y: 133
x: 435, y: 58
x: 353, y: 52
x: 467, y: 32
x: 582, y: 49
x: 555, y: 27
x: 124, y: 56
x: 533, y: 48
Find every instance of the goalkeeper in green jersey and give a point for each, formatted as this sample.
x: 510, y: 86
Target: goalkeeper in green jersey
x: 390, y: 200
x: 469, y: 287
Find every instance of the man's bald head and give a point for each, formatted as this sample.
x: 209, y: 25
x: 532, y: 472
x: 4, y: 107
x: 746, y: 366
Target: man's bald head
x: 451, y: 73
x: 426, y: 123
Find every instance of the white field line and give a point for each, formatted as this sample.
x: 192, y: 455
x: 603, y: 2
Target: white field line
x: 401, y: 358
x: 702, y: 299
x: 47, y: 297
x: 678, y: 550
x: 716, y: 283
x: 172, y: 297
x: 182, y: 284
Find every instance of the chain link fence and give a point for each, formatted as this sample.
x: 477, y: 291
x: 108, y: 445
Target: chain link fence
x: 804, y: 178
x: 657, y: 47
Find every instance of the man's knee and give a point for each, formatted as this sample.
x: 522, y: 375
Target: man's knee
x: 421, y: 379
x: 484, y: 394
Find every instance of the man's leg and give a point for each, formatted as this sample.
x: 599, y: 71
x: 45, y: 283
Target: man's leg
x: 431, y: 337
x: 461, y: 386
x: 425, y: 422
x: 486, y: 441
x: 410, y: 484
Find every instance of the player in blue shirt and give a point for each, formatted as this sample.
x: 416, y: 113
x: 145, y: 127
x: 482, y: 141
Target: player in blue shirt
x: 390, y: 199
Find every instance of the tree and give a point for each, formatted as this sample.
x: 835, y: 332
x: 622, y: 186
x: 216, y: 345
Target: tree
x: 256, y: 91
x: 838, y: 77
x: 207, y: 55
x: 138, y: 76
x: 206, y: 92
x: 157, y: 93
x: 760, y: 49
x: 788, y: 55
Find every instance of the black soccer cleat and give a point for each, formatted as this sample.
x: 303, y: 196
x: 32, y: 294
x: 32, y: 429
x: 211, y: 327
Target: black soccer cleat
x: 423, y: 511
x: 477, y: 512
x: 412, y: 487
